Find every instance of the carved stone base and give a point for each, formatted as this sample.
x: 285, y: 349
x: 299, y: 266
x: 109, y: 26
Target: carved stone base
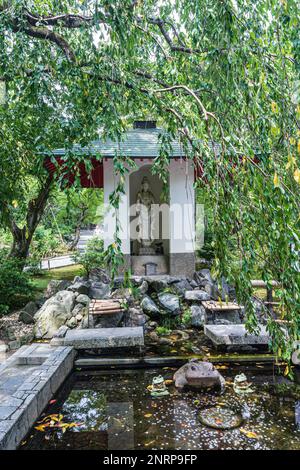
x: 138, y: 264
x: 182, y: 264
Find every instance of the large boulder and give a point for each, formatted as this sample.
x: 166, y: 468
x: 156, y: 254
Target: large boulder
x: 169, y: 302
x: 99, y: 290
x: 219, y: 290
x: 215, y: 289
x: 203, y: 277
x: 157, y: 285
x: 143, y: 288
x: 55, y: 312
x: 83, y: 299
x: 81, y: 287
x: 136, y: 317
x: 99, y: 275
x: 196, y: 295
x: 181, y: 287
x: 27, y: 313
x: 55, y: 286
x: 198, y: 375
x: 197, y: 316
x: 149, y: 307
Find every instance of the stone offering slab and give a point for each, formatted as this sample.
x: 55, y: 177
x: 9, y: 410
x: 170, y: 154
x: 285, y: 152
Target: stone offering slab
x: 100, y: 338
x: 235, y: 335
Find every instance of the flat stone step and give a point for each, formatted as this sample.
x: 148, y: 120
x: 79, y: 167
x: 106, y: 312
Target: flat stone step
x: 235, y: 335
x: 101, y: 338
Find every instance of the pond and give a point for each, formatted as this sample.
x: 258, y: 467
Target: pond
x: 113, y: 410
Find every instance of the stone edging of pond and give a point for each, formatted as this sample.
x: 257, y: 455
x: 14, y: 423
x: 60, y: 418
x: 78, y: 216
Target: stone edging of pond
x: 28, y: 381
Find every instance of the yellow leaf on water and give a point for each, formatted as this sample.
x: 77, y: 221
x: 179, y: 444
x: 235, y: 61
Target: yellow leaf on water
x: 148, y: 415
x: 249, y: 434
x: 297, y: 176
x: 168, y: 382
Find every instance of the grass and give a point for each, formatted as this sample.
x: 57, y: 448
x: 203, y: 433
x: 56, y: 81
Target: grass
x: 68, y: 273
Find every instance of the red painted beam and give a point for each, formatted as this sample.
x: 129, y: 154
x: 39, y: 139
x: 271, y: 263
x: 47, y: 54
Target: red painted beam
x: 92, y: 179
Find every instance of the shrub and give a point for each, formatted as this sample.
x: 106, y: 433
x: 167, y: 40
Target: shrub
x: 15, y: 287
x: 92, y: 257
x: 163, y: 331
x: 186, y: 317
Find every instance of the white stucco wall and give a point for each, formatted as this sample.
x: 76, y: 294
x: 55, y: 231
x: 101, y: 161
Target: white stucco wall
x: 182, y: 203
x: 182, y: 207
x: 110, y: 217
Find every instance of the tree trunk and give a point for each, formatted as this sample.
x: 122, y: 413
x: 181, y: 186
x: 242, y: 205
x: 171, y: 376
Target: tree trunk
x: 22, y: 237
x: 78, y: 227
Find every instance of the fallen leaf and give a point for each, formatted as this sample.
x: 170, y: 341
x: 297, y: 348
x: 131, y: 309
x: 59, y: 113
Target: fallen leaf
x: 148, y: 415
x: 249, y: 434
x: 168, y: 381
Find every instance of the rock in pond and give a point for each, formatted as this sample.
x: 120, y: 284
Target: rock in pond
x: 198, y: 375
x: 149, y: 307
x: 55, y: 312
x: 169, y: 302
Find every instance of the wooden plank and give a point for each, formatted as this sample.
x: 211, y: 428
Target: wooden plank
x: 214, y: 305
x: 263, y: 284
x: 106, y: 309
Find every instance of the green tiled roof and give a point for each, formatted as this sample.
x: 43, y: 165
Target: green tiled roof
x: 137, y: 143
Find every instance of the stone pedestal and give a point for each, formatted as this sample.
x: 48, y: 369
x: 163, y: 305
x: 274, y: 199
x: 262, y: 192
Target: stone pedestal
x: 138, y: 264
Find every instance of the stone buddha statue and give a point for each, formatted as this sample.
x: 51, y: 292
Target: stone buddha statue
x: 144, y: 203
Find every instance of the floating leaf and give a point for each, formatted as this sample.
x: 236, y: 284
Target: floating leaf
x: 148, y: 415
x: 249, y: 434
x: 168, y: 381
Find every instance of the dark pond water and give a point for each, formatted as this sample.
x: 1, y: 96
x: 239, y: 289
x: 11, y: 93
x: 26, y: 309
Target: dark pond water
x: 114, y: 411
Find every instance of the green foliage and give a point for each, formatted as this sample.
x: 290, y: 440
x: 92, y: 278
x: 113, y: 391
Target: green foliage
x: 224, y: 72
x: 163, y: 331
x: 66, y: 210
x: 92, y: 257
x: 186, y: 317
x: 15, y: 286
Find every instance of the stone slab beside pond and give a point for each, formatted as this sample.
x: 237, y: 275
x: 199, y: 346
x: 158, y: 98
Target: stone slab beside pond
x: 236, y: 335
x: 28, y: 380
x: 102, y: 338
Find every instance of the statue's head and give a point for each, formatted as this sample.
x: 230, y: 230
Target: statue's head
x: 145, y: 184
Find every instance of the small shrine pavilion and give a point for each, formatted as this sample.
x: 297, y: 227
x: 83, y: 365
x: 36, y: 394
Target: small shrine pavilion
x: 157, y: 237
